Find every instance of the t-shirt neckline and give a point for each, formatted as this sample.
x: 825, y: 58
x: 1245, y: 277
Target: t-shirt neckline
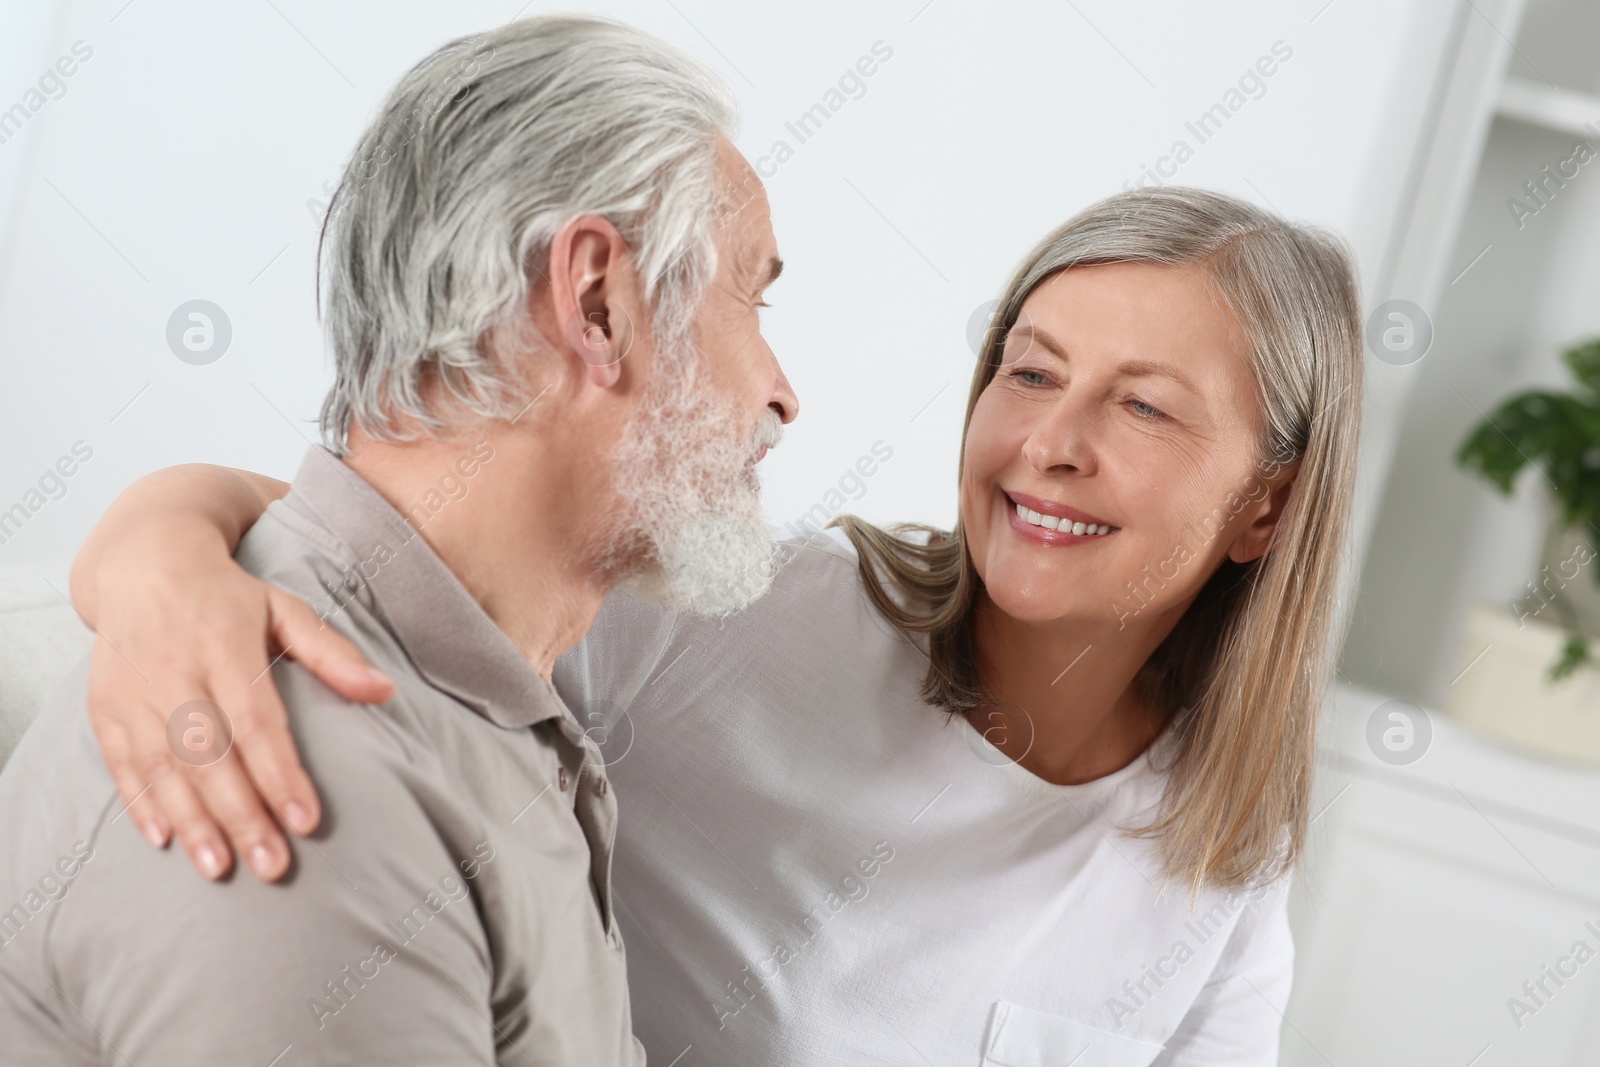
x: 1105, y: 782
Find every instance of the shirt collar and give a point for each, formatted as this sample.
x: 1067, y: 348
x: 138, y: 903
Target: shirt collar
x: 444, y: 631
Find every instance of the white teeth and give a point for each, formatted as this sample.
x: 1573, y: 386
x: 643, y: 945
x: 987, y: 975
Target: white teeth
x: 1052, y: 522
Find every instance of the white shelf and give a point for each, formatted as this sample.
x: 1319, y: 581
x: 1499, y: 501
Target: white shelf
x: 1562, y: 110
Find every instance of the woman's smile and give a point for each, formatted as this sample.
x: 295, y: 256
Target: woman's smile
x: 1046, y: 522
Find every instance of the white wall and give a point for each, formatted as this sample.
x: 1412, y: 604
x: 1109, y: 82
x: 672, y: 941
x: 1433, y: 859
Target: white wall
x: 179, y: 162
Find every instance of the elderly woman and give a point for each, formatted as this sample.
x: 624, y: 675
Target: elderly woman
x: 1025, y: 792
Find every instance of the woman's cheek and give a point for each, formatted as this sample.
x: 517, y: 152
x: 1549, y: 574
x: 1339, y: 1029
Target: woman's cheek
x: 980, y: 461
x: 973, y: 518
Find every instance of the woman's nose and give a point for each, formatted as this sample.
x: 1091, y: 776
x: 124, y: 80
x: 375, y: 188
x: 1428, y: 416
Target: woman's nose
x: 1063, y: 438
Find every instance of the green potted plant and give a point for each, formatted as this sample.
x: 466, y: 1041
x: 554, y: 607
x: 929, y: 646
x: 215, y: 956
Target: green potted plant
x: 1559, y: 435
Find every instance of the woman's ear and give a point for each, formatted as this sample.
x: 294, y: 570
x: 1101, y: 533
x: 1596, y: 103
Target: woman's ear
x: 1256, y: 538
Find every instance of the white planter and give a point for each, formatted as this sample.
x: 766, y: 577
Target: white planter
x: 1566, y: 579
x: 1504, y: 691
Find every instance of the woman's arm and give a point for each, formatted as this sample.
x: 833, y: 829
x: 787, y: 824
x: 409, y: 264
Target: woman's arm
x: 226, y: 502
x: 176, y: 620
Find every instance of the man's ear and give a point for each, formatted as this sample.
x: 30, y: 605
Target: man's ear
x: 1256, y: 538
x: 591, y: 285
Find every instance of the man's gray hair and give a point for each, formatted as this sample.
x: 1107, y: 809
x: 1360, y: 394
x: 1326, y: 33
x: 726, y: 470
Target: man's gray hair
x: 478, y: 158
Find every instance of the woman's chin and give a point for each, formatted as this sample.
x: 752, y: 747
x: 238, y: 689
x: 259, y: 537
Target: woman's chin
x: 1039, y: 599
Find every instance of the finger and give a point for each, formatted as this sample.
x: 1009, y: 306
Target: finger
x: 266, y: 751
x: 262, y: 740
x: 196, y: 832
x: 325, y: 652
x: 229, y: 796
x: 137, y: 803
x: 112, y: 690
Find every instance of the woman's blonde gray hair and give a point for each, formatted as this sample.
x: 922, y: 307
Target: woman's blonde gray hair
x: 479, y: 156
x: 1243, y: 675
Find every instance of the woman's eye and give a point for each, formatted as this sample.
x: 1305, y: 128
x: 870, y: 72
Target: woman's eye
x: 1024, y: 372
x: 1145, y: 411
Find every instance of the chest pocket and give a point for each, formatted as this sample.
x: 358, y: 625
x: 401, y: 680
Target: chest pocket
x: 1022, y: 1037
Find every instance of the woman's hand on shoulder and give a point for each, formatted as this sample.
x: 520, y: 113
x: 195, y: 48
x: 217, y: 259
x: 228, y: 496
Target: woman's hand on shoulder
x: 181, y: 696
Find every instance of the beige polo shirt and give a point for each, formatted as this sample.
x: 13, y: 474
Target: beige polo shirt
x: 455, y: 907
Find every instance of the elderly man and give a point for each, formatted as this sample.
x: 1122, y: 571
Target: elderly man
x: 550, y: 383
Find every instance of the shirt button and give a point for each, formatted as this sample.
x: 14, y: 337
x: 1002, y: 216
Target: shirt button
x: 561, y: 779
x: 602, y: 787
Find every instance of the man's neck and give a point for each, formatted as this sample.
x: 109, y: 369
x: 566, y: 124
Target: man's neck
x: 512, y: 531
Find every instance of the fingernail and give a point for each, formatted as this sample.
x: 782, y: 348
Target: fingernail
x: 378, y: 676
x: 299, y: 818
x: 261, y: 860
x: 152, y: 833
x: 210, y: 861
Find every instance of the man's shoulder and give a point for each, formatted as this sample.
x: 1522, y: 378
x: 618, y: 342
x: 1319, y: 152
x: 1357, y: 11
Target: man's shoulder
x: 289, y: 549
x: 76, y: 864
x: 56, y: 798
x: 390, y: 829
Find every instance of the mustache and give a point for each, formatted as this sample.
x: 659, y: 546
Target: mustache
x: 767, y: 433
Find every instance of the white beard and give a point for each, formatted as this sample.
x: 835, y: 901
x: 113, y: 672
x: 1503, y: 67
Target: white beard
x: 693, y: 531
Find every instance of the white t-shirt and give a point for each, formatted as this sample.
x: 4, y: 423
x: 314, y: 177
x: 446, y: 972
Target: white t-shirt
x: 814, y: 867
